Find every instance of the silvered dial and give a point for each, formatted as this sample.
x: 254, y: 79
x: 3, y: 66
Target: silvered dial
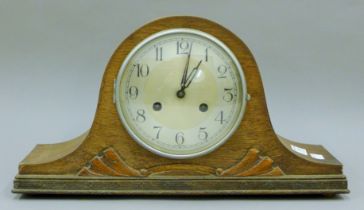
x: 180, y: 93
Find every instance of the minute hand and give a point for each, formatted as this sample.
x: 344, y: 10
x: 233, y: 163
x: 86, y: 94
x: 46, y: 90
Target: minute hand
x: 185, y: 71
x: 192, y: 75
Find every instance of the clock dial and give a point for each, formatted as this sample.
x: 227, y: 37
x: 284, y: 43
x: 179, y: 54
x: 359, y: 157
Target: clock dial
x: 180, y: 93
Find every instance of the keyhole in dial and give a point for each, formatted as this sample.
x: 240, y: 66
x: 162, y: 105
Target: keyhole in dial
x: 157, y: 106
x: 203, y: 107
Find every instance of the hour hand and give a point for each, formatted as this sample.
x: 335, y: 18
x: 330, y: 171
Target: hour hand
x: 192, y: 75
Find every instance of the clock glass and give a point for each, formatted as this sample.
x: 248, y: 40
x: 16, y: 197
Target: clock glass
x: 180, y: 93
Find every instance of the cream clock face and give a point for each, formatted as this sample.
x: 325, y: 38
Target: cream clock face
x: 180, y: 93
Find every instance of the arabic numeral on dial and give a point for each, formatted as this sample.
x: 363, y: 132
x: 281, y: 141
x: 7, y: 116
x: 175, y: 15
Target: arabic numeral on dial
x: 142, y: 70
x: 220, y: 118
x: 180, y: 139
x: 159, y: 128
x: 158, y: 53
x: 228, y: 95
x: 221, y: 70
x: 202, y: 134
x: 133, y: 92
x: 182, y: 47
x: 140, y: 115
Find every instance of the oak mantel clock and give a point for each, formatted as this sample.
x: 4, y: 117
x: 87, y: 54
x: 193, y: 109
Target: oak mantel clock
x: 181, y: 111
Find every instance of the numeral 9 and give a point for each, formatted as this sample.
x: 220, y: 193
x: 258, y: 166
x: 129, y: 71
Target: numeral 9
x: 133, y: 92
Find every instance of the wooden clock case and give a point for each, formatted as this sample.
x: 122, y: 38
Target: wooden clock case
x: 106, y: 160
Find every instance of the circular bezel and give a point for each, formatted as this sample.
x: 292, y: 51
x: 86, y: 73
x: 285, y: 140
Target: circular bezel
x: 168, y: 32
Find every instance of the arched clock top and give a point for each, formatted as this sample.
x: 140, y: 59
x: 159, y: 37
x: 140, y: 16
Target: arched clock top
x: 183, y: 147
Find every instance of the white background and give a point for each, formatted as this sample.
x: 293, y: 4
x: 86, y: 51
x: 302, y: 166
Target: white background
x: 310, y: 54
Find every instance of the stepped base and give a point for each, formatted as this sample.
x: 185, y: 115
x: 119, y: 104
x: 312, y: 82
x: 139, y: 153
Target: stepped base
x: 289, y: 184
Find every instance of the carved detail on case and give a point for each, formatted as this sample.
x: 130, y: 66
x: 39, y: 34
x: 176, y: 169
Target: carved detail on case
x: 109, y: 163
x: 252, y: 165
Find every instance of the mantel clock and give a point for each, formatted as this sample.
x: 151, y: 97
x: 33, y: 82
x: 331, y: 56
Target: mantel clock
x: 181, y: 111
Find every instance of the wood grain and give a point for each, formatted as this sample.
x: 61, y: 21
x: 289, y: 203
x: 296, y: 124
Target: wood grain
x: 255, y: 130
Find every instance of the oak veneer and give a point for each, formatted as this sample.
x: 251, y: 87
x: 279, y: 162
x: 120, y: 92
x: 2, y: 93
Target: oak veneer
x: 108, y: 161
